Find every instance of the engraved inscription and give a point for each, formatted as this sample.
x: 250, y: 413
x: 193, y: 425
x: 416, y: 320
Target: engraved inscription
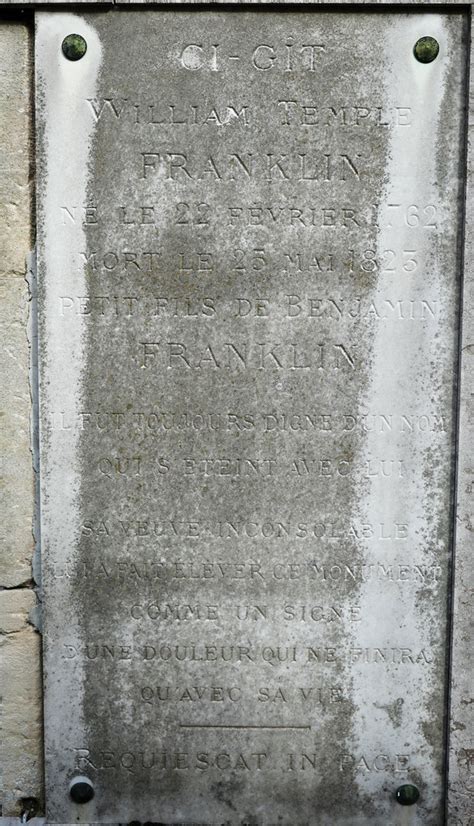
x: 248, y: 314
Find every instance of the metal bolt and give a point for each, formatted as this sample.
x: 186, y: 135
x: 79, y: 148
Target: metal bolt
x: 426, y: 49
x: 81, y: 789
x: 407, y: 794
x: 74, y: 46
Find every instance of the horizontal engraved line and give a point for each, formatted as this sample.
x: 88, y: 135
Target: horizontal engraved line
x: 218, y: 725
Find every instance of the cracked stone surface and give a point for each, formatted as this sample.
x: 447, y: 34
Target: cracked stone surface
x: 20, y: 669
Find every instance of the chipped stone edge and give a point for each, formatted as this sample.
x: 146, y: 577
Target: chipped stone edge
x: 460, y: 747
x: 32, y: 333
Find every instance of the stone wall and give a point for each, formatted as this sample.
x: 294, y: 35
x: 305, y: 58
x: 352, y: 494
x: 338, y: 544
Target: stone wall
x: 20, y: 712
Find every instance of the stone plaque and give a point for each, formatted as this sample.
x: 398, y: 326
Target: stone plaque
x: 249, y: 235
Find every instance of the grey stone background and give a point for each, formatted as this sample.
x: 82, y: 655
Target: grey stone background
x: 20, y: 663
x: 461, y: 727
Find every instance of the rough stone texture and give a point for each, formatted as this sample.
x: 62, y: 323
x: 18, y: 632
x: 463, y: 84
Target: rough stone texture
x: 20, y: 717
x: 17, y: 493
x: 21, y: 724
x: 183, y: 346
x: 309, y: 3
x: 461, y: 746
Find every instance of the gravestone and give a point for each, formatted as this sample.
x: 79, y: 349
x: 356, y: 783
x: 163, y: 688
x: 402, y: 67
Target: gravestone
x: 249, y: 262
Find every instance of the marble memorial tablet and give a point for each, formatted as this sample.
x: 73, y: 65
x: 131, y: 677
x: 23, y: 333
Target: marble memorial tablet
x: 249, y: 262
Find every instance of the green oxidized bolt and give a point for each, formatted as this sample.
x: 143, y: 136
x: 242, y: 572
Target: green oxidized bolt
x: 74, y: 46
x: 407, y: 794
x: 426, y: 49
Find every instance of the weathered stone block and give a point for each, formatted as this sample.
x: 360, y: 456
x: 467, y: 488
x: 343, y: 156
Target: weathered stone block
x: 20, y: 719
x: 17, y: 492
x: 250, y: 228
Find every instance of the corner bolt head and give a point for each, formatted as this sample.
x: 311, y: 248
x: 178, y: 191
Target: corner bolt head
x: 407, y: 794
x: 81, y: 790
x: 426, y: 49
x: 74, y: 46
